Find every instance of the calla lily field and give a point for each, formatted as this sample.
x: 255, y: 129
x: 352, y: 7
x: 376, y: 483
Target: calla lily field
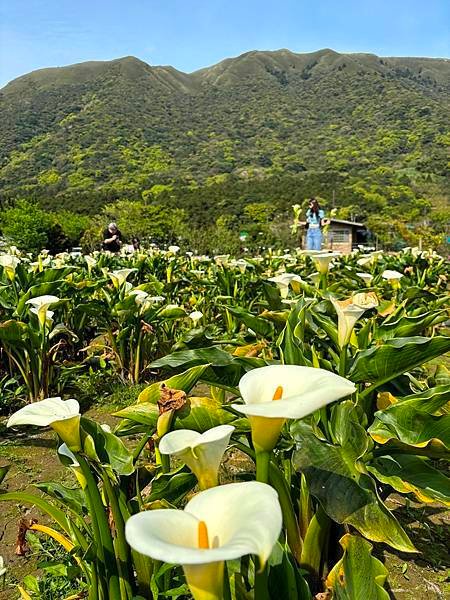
x: 320, y: 378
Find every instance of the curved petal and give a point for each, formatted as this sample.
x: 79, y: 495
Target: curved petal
x: 39, y: 301
x: 305, y: 389
x: 216, y: 434
x: 388, y: 274
x: 322, y: 260
x: 169, y: 535
x: 175, y: 442
x: 45, y: 412
x: 241, y: 518
x: 196, y: 315
x: 201, y: 452
x: 64, y: 450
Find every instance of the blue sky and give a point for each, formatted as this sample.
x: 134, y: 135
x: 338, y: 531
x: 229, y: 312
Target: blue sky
x: 190, y: 34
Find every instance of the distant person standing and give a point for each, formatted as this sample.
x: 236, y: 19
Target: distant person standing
x: 315, y: 220
x: 112, y: 238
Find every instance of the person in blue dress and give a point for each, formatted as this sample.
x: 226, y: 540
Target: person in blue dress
x: 315, y: 220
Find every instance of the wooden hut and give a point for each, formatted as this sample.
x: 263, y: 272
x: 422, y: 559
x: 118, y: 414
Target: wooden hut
x: 341, y: 236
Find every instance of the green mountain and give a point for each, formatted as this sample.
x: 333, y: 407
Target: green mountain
x: 263, y: 126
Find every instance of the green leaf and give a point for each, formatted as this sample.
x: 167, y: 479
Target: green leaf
x: 183, y: 381
x: 188, y: 358
x: 3, y: 472
x: 31, y: 583
x: 285, y: 579
x: 381, y: 364
x: 41, y: 289
x: 172, y: 312
x: 202, y: 413
x: 431, y: 400
x: 172, y: 486
x: 358, y: 575
x: 259, y: 325
x: 224, y: 369
x: 61, y: 329
x: 292, y: 349
x: 442, y: 376
x: 55, y: 513
x: 413, y: 293
x: 327, y: 325
x: 347, y: 494
x: 72, y: 497
x: 412, y: 474
x: 199, y: 414
x: 273, y: 296
x: 291, y: 339
x: 145, y: 413
x: 108, y: 447
x: 410, y: 423
x: 408, y: 325
x: 13, y: 331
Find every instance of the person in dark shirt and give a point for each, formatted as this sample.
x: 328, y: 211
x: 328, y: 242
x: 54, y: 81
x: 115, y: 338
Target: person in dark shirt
x: 112, y: 238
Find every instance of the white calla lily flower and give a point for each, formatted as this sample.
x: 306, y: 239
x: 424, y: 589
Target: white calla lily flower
x: 156, y: 299
x: 284, y: 280
x: 218, y: 524
x: 119, y: 276
x: 9, y: 262
x: 323, y: 260
x: 141, y: 298
x: 349, y: 311
x: 315, y: 278
x: 41, y: 305
x: 196, y: 315
x: 64, y: 450
x: 202, y: 452
x: 221, y: 259
x: 289, y: 302
x: 276, y: 393
x: 48, y: 315
x: 90, y: 261
x: 241, y: 264
x: 369, y: 259
x: 173, y: 249
x: 391, y: 276
x: 366, y: 277
x: 61, y: 415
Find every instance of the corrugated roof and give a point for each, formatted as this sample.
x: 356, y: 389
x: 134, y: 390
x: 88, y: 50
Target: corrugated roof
x: 342, y: 222
x: 355, y: 223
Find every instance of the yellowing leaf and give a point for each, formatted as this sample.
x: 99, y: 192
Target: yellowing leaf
x: 385, y: 399
x: 358, y: 574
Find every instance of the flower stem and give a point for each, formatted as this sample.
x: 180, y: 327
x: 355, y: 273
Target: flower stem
x: 279, y: 483
x: 262, y: 465
x: 140, y: 447
x: 343, y: 361
x: 121, y: 547
x: 105, y: 546
x: 261, y: 584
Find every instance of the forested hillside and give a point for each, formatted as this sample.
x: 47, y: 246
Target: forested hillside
x: 269, y: 127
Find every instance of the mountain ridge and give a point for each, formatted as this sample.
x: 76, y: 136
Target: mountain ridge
x: 86, y: 66
x: 92, y: 132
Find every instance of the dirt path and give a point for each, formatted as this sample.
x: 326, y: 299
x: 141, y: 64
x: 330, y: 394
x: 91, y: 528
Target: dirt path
x: 33, y: 459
